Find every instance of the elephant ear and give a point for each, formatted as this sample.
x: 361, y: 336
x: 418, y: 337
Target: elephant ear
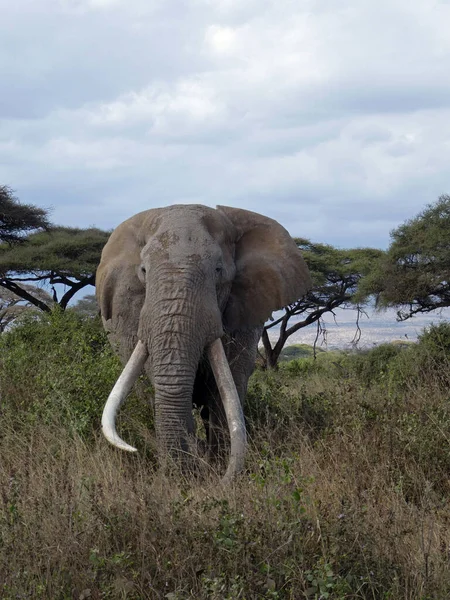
x: 120, y: 293
x: 270, y: 271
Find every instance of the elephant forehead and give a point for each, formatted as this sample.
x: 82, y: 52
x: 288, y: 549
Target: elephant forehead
x: 181, y: 242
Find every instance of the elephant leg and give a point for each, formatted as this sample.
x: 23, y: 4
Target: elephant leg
x: 206, y: 396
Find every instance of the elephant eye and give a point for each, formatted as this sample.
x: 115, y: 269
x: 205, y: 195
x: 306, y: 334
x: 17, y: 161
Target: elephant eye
x: 219, y: 269
x: 143, y: 270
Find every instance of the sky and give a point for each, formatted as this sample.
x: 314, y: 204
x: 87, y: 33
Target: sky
x: 331, y: 116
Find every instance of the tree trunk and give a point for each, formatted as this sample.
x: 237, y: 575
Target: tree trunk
x: 272, y: 354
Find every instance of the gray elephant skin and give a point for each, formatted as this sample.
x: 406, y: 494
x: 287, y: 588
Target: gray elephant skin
x: 178, y: 284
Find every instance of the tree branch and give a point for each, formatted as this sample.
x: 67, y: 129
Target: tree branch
x: 19, y: 291
x: 74, y: 289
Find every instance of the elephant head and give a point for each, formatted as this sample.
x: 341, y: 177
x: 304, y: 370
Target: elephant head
x: 172, y: 283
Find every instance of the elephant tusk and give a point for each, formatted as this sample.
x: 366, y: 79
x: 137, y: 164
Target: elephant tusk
x: 232, y: 406
x: 118, y: 394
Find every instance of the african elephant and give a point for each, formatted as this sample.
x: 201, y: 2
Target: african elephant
x: 184, y: 292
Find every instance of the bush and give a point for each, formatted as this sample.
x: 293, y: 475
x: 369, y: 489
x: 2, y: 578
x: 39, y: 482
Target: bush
x: 435, y: 341
x: 325, y: 362
x: 425, y: 363
x: 373, y: 365
x: 57, y: 367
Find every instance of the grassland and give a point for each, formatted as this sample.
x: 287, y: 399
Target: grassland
x: 345, y: 496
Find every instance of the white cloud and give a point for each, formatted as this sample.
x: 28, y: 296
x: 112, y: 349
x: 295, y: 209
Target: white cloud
x: 332, y: 116
x: 161, y: 108
x: 221, y: 39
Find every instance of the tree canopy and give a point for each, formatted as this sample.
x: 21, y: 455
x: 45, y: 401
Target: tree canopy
x: 16, y: 219
x: 414, y: 274
x: 87, y: 306
x: 336, y: 274
x: 62, y: 255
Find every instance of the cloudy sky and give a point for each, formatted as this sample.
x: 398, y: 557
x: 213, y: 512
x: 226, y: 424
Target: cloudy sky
x: 332, y: 116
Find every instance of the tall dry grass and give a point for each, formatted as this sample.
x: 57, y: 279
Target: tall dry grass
x: 345, y: 494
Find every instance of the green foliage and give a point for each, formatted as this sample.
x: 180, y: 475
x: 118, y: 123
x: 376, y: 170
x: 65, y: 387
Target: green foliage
x: 425, y: 362
x: 324, y: 583
x: 64, y: 251
x: 335, y: 270
x: 330, y: 361
x: 57, y: 367
x: 272, y: 402
x: 87, y: 306
x: 17, y: 219
x: 435, y: 340
x: 373, y: 365
x: 414, y: 274
x: 61, y: 255
x: 57, y: 255
x: 377, y: 386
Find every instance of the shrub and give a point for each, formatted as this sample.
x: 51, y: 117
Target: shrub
x: 57, y: 367
x: 373, y: 365
x: 424, y: 363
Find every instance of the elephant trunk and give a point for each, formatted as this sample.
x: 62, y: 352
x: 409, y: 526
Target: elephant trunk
x: 175, y: 341
x: 174, y: 421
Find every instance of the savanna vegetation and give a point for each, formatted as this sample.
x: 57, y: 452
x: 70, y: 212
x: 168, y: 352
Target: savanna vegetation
x: 414, y: 273
x: 36, y: 254
x: 346, y: 487
x: 345, y: 495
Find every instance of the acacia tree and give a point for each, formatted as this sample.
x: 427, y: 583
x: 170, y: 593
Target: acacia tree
x: 62, y: 255
x: 336, y: 274
x: 414, y: 274
x: 16, y: 219
x: 32, y: 251
x: 87, y: 306
x: 12, y: 306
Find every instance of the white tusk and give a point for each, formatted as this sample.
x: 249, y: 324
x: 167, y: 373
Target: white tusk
x: 232, y: 406
x: 118, y: 394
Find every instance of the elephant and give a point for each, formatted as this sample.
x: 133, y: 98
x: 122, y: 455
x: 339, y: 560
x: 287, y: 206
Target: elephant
x: 184, y: 292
